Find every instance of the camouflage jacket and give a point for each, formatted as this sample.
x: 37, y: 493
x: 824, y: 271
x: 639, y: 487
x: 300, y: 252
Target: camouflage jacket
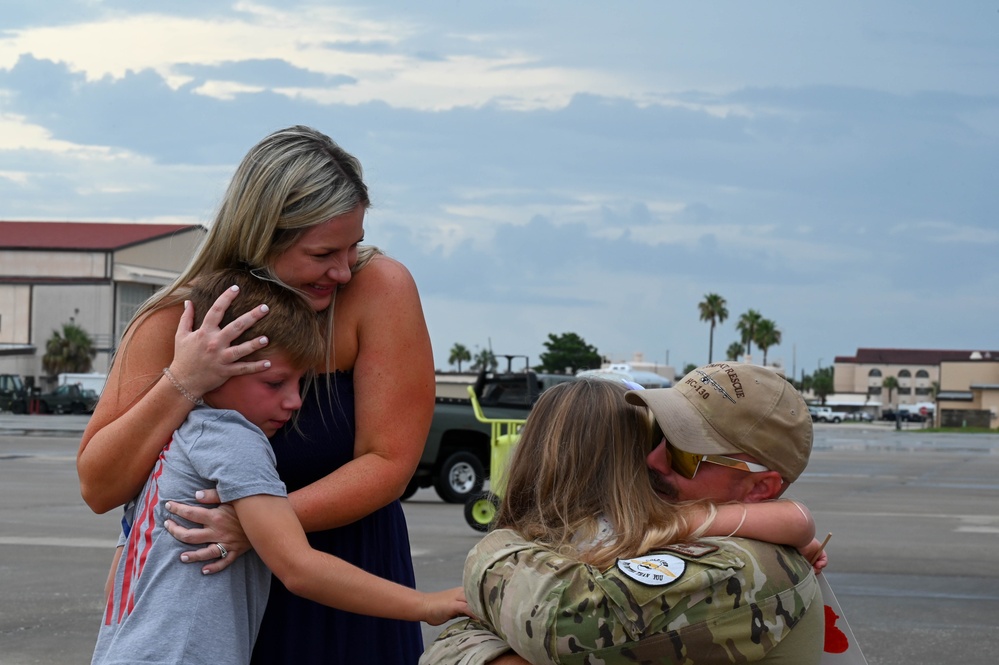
x: 717, y: 601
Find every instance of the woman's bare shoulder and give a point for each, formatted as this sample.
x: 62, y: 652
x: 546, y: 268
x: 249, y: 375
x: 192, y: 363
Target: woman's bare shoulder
x: 383, y: 269
x: 380, y: 305
x: 153, y: 327
x: 384, y: 280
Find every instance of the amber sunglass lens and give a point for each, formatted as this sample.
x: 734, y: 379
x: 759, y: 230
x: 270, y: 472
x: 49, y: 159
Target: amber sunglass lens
x: 683, y: 462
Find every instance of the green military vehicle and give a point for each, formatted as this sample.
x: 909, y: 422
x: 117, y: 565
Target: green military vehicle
x: 68, y: 398
x: 13, y: 394
x: 456, y: 456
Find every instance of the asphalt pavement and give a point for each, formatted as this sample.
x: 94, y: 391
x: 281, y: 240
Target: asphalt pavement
x: 47, y: 424
x: 914, y: 556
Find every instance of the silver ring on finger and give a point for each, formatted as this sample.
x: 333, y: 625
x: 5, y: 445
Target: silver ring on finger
x: 223, y: 552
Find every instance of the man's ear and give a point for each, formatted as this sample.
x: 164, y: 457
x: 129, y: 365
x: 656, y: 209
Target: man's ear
x: 767, y: 485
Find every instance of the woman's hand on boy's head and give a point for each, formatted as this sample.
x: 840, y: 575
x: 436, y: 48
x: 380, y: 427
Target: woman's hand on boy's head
x: 219, y: 525
x: 203, y: 358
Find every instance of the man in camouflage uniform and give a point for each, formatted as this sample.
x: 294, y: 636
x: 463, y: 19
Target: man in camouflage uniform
x: 716, y: 601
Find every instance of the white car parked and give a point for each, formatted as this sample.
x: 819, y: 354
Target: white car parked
x: 825, y: 414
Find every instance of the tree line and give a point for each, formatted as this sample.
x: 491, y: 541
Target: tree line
x: 569, y: 353
x: 752, y: 327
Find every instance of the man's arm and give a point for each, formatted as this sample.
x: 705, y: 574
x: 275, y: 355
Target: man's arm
x: 469, y: 642
x: 707, y: 601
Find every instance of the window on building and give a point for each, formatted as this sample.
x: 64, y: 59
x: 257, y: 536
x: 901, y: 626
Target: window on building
x: 130, y: 298
x: 874, y: 390
x: 874, y: 373
x: 922, y: 391
x: 922, y: 374
x: 904, y: 374
x: 904, y: 391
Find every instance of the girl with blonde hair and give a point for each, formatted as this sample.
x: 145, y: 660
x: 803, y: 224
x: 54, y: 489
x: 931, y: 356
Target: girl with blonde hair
x: 578, y: 483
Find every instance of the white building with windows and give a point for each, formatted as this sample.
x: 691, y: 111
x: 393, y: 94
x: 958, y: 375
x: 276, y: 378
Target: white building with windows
x: 92, y: 274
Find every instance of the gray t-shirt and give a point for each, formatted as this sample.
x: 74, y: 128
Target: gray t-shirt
x: 163, y: 610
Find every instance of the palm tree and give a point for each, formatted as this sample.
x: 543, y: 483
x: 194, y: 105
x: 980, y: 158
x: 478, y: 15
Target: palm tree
x: 891, y: 383
x: 822, y: 383
x: 733, y: 351
x: 767, y: 335
x: 485, y: 359
x: 69, y: 351
x: 806, y: 382
x: 459, y: 354
x: 713, y: 309
x: 747, y: 327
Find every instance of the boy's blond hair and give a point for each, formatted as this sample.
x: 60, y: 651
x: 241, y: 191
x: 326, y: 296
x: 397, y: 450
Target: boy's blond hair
x: 292, y: 326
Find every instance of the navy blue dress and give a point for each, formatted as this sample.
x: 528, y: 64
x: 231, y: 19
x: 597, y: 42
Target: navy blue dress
x: 296, y: 630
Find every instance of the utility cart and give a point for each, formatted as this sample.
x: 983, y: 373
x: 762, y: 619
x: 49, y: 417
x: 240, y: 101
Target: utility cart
x: 480, y: 508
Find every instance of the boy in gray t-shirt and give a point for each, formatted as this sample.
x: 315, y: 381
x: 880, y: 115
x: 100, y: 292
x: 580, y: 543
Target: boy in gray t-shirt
x: 164, y: 611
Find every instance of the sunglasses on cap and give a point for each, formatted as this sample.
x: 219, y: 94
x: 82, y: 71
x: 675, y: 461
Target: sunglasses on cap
x: 687, y: 464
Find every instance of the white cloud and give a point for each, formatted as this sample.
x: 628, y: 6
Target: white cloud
x: 510, y: 82
x: 598, y: 213
x: 226, y: 90
x: 119, y: 42
x: 322, y: 41
x: 16, y: 133
x: 16, y: 177
x: 936, y: 231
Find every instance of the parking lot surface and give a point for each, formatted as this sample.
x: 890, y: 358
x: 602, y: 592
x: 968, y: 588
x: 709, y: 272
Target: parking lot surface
x: 914, y: 556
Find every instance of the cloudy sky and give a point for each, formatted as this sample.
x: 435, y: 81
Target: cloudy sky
x: 552, y: 166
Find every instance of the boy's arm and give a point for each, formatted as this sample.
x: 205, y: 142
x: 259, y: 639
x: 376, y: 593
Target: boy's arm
x: 277, y: 536
x: 782, y: 522
x: 109, y: 584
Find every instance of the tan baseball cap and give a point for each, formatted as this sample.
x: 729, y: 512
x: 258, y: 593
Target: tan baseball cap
x: 730, y: 407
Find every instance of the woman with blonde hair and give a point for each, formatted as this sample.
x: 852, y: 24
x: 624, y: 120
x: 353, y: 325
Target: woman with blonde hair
x: 587, y: 563
x: 294, y: 213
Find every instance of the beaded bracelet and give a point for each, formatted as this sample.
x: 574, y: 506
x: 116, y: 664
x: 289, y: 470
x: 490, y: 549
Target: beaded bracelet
x: 183, y: 391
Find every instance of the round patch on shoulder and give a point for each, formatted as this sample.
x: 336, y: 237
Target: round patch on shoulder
x: 653, y: 569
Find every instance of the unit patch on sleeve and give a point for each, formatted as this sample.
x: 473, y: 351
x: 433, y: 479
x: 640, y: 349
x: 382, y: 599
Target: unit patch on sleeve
x: 653, y: 569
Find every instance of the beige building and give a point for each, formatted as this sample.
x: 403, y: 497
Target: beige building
x: 92, y: 274
x: 935, y: 379
x: 969, y: 392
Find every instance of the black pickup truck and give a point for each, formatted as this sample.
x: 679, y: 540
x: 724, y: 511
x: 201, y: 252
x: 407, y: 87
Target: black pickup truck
x: 13, y: 394
x: 456, y: 457
x: 904, y: 415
